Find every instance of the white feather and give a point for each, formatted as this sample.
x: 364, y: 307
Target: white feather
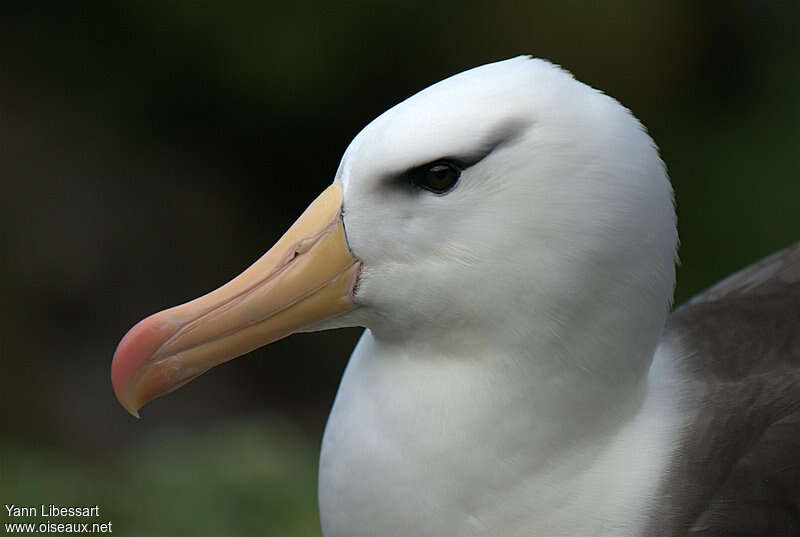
x: 502, y: 385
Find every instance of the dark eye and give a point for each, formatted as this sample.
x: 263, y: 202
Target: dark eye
x: 439, y: 177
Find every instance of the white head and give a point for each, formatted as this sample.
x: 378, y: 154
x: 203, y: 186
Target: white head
x: 557, y: 241
x: 559, y: 235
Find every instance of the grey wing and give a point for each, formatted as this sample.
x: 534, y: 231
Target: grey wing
x: 737, y: 470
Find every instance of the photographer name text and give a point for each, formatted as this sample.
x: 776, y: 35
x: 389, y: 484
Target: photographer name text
x: 51, y: 510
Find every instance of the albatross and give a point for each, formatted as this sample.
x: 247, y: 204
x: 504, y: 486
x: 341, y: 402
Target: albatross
x: 507, y: 237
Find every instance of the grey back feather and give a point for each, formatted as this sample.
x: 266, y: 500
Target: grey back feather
x: 737, y: 469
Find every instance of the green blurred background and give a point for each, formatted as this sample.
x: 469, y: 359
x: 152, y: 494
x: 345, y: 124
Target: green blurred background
x: 151, y: 149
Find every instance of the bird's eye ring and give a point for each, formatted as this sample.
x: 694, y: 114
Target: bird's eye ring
x: 439, y: 177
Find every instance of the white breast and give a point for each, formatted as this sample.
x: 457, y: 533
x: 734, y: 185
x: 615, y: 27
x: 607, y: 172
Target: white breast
x: 414, y: 447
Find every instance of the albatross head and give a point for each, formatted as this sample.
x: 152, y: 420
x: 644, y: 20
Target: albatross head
x: 507, y: 205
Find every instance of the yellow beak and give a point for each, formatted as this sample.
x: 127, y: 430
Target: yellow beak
x: 307, y: 277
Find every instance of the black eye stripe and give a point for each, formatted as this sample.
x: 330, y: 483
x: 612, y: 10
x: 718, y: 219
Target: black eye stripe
x: 502, y: 133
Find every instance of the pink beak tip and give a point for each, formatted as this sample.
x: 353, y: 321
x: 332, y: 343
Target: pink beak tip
x: 133, y: 351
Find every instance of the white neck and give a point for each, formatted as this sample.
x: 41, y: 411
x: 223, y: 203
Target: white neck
x: 424, y: 444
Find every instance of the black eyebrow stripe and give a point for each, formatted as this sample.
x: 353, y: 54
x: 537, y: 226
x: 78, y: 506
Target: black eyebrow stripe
x: 503, y: 133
